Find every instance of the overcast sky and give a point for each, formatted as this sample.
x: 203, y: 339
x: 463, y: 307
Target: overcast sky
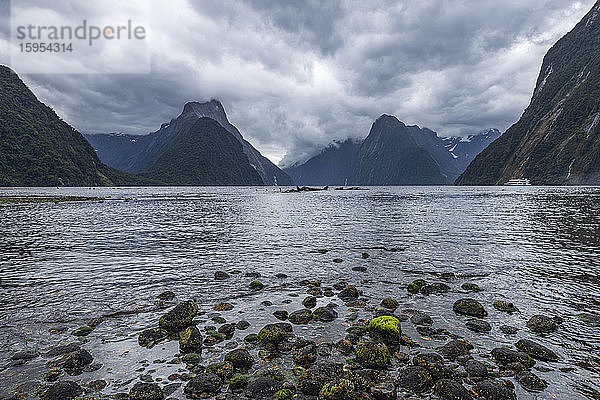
x: 294, y: 75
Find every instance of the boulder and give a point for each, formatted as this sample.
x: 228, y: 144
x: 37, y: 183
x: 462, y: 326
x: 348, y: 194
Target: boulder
x: 65, y: 390
x: 146, y: 391
x: 490, y: 390
x: 469, y: 307
x: 531, y: 382
x: 240, y: 358
x: 201, y: 385
x: 301, y: 317
x: 150, y: 337
x: 325, y: 314
x: 180, y: 317
x: 478, y: 325
x: 340, y: 389
x: 505, y: 356
x: 386, y: 328
x: 536, y: 350
x: 415, y: 379
x: 372, y: 355
x: 448, y: 389
x: 542, y: 324
x: 190, y: 340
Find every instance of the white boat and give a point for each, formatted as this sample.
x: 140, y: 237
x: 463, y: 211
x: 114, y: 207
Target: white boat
x: 518, y: 182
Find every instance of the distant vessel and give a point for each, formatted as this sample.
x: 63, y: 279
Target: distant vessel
x: 518, y: 182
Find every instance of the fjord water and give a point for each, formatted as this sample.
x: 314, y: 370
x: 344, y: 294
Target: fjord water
x: 62, y: 264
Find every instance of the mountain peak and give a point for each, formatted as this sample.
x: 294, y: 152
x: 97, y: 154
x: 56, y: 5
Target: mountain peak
x: 210, y: 109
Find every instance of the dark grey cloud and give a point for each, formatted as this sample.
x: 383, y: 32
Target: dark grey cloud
x: 295, y: 75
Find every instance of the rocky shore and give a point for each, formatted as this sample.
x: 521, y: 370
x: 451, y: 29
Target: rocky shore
x: 373, y: 357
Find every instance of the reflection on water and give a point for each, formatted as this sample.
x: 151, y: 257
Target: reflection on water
x: 61, y: 264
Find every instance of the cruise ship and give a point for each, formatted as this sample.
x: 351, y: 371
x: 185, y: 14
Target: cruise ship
x: 518, y: 182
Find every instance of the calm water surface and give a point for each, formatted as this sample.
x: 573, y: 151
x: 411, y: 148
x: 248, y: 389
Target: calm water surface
x: 62, y: 264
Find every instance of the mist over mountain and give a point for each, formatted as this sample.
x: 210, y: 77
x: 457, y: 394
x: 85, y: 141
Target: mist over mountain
x: 340, y: 162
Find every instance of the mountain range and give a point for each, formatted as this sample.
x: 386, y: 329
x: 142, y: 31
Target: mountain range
x: 557, y: 139
x: 138, y: 153
x: 392, y: 154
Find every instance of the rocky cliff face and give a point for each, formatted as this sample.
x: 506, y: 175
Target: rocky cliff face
x: 557, y: 139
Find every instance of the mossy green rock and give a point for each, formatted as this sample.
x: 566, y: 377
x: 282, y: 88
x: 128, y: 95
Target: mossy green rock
x: 372, y: 355
x: 386, y: 328
x: 272, y: 333
x: 416, y: 285
x: 82, y: 331
x: 251, y: 338
x: 190, y: 340
x: 223, y: 370
x: 238, y: 382
x: 390, y: 303
x: 340, y: 390
x: 471, y: 287
x: 180, y: 317
x: 191, y: 358
x: 256, y: 285
x: 284, y: 394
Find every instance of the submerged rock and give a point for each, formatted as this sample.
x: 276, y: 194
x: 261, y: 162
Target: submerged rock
x: 415, y: 379
x: 506, y: 356
x: 146, y: 391
x: 435, y: 288
x: 542, y: 324
x: 471, y: 287
x: 536, y: 350
x: 274, y: 333
x: 221, y: 275
x: 508, y: 330
x: 223, y: 370
x: 256, y: 286
x: 372, y: 355
x: 201, y: 385
x: 469, y: 307
x: 180, y: 317
x: 505, y: 306
x: 478, y: 325
x: 531, y: 382
x: 390, y: 303
x: 82, y: 331
x: 349, y: 293
x: 65, y: 390
x: 421, y: 318
x: 325, y: 314
x: 281, y: 315
x: 238, y: 383
x: 305, y: 355
x: 242, y: 325
x: 455, y: 348
x: 301, y: 317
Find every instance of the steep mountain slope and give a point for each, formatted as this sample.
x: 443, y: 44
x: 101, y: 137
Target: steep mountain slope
x: 557, y: 139
x: 133, y: 153
x: 333, y: 166
x: 390, y: 156
x: 268, y: 171
x: 199, y: 152
x: 37, y: 148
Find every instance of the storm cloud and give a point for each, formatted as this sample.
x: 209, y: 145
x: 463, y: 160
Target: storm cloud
x: 295, y: 75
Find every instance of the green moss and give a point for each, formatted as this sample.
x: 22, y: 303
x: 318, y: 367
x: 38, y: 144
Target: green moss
x: 386, y: 327
x: 82, y: 331
x: 251, y: 338
x: 372, y: 355
x: 284, y: 394
x: 191, y: 358
x: 342, y: 390
x: 256, y: 285
x: 238, y: 382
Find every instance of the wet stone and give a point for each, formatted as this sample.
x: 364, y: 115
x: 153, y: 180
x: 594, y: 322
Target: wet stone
x: 190, y: 340
x: 476, y: 369
x: 146, y: 391
x: 65, y: 390
x: 372, y: 355
x: 262, y: 387
x: 201, y: 385
x: 415, y: 379
x: 180, y: 317
x: 325, y: 314
x: 505, y: 306
x: 420, y: 318
x: 478, y: 325
x: 490, y: 390
x: 301, y: 317
x: 349, y: 293
x: 390, y: 303
x: 531, y: 382
x: 506, y: 356
x: 309, y: 302
x: 536, y: 350
x: 166, y: 296
x: 471, y: 287
x: 241, y: 359
x: 281, y: 315
x: 455, y: 348
x: 434, y: 288
x: 448, y: 389
x: 469, y: 307
x: 509, y: 330
x: 542, y: 324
